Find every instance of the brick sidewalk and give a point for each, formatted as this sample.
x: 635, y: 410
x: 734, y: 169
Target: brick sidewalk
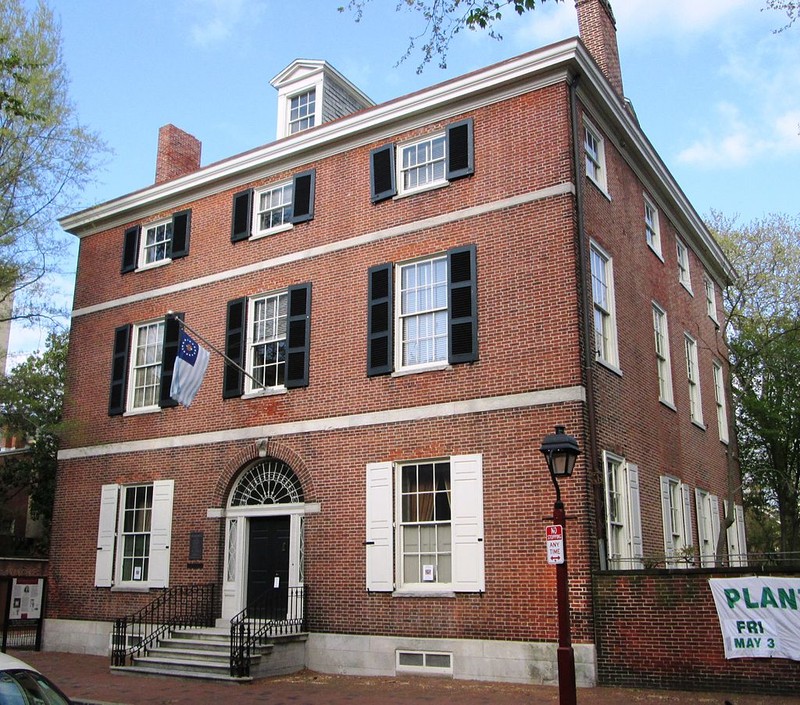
x: 88, y: 679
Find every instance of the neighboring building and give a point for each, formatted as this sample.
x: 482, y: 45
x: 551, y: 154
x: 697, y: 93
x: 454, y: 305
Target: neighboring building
x: 422, y: 290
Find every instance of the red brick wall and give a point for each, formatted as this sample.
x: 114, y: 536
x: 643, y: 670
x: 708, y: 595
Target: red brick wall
x: 659, y: 629
x: 23, y: 568
x: 178, y: 154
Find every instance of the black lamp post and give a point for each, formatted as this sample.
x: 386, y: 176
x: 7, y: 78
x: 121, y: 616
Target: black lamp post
x: 561, y: 451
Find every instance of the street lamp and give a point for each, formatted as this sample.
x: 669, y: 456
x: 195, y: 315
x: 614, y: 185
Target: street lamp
x: 561, y: 451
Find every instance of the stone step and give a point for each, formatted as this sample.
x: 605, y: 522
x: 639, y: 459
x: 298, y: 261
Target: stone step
x: 196, y: 645
x: 195, y: 654
x: 164, y: 671
x: 189, y: 665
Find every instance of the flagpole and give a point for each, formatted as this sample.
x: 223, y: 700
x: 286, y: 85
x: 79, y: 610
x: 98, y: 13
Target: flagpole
x: 172, y: 314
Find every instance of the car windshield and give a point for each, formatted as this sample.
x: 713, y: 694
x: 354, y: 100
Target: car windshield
x: 23, y: 687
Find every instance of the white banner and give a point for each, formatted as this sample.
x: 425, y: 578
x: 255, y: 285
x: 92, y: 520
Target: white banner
x: 759, y: 617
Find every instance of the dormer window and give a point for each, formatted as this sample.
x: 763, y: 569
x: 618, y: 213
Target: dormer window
x: 302, y: 110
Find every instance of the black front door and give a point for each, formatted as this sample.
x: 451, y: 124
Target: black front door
x: 268, y: 566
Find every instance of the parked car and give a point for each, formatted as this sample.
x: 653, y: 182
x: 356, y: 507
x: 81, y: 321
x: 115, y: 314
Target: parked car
x: 21, y: 684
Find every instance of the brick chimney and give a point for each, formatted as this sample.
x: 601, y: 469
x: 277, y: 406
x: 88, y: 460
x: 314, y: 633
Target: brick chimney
x: 598, y: 30
x: 178, y: 154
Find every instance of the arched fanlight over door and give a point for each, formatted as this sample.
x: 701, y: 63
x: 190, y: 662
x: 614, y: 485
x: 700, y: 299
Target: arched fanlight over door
x: 269, y: 481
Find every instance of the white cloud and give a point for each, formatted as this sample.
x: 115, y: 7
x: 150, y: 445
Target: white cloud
x: 214, y: 21
x: 676, y: 18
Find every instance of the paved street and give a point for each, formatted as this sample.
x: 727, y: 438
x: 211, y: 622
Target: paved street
x: 88, y: 679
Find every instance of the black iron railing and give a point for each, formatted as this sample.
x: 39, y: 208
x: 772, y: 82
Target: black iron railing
x: 180, y: 606
x: 274, y: 613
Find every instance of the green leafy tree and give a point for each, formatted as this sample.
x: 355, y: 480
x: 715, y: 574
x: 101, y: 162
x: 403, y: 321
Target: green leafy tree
x: 763, y: 333
x: 441, y: 20
x: 46, y: 157
x: 31, y: 401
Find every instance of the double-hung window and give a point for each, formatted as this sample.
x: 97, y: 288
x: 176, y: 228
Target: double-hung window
x: 693, y: 378
x: 269, y: 336
x: 159, y: 242
x: 266, y: 342
x: 605, y: 326
x: 623, y: 518
x: 427, y: 162
x: 273, y: 209
x: 663, y: 365
x: 133, y: 538
x: 736, y: 539
x: 684, y: 276
x: 651, y: 226
x: 425, y: 525
x: 423, y: 314
x: 707, y: 526
x: 422, y: 164
x: 594, y: 152
x: 677, y: 517
x: 719, y: 398
x: 145, y: 375
x: 302, y: 111
x: 142, y: 364
x: 711, y: 299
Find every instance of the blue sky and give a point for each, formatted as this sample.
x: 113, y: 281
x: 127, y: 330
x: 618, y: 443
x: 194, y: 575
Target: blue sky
x: 716, y: 90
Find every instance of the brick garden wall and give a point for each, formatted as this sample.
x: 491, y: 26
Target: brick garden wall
x: 659, y: 629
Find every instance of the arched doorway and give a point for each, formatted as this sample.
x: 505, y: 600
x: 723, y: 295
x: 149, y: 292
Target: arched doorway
x: 263, y: 536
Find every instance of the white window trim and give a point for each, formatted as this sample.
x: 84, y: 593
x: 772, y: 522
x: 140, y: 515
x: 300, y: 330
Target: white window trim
x: 684, y: 272
x: 130, y: 410
x: 249, y: 390
x: 711, y: 298
x: 663, y: 362
x: 141, y: 265
x: 383, y: 547
x: 307, y: 116
x: 721, y: 404
x: 678, y: 540
x: 257, y: 232
x: 399, y: 368
x: 708, y: 526
x: 736, y: 539
x: 655, y: 245
x: 599, y: 161
x: 285, y: 95
x: 612, y: 360
x: 398, y: 162
x: 108, y: 565
x: 693, y: 380
x: 632, y: 558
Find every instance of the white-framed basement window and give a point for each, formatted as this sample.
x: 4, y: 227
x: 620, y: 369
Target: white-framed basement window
x: 424, y: 532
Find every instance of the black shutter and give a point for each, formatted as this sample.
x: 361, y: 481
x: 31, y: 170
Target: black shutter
x: 382, y: 184
x: 303, y: 196
x: 119, y: 371
x: 242, y: 215
x: 462, y: 304
x: 169, y: 351
x: 380, y: 321
x: 130, y: 248
x: 181, y: 224
x: 460, y: 151
x: 233, y: 379
x: 298, y: 336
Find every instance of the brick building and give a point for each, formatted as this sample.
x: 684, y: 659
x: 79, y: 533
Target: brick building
x: 419, y: 291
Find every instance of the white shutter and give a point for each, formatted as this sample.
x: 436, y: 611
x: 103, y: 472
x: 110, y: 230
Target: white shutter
x: 466, y: 483
x: 731, y: 535
x: 106, y: 533
x: 666, y: 514
x: 688, y: 536
x: 701, y: 507
x: 713, y: 502
x: 739, y: 514
x: 606, y: 501
x: 380, y: 536
x: 635, y: 517
x: 160, y: 533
